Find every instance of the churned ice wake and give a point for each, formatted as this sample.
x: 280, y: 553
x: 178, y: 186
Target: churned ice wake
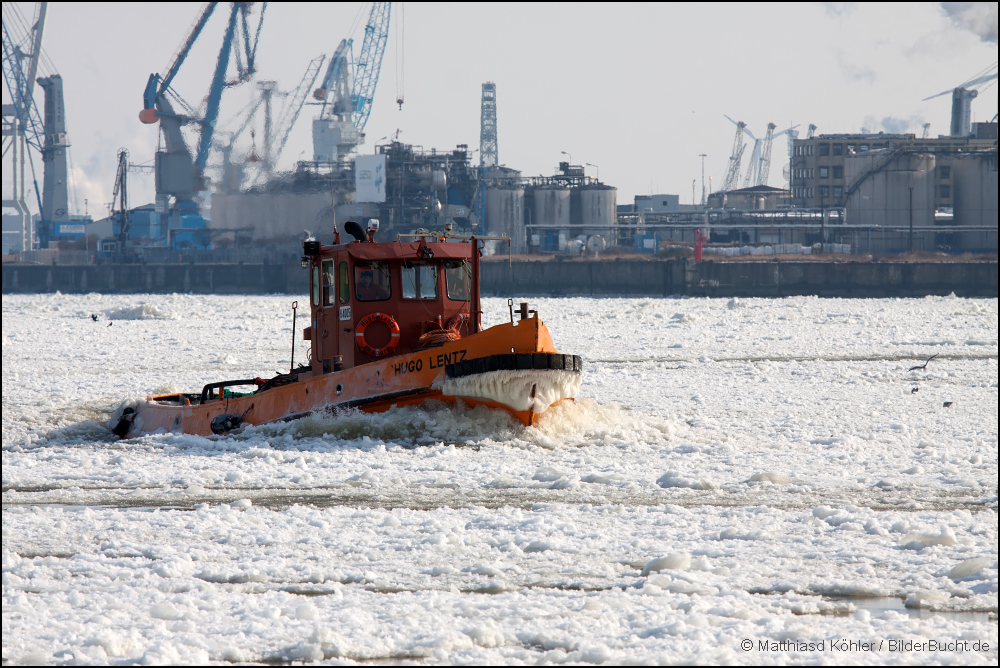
x: 765, y: 471
x: 568, y: 424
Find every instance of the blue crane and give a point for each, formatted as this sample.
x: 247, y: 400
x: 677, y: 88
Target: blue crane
x: 178, y: 175
x: 20, y: 86
x: 347, y: 93
x: 335, y: 91
x: 370, y: 63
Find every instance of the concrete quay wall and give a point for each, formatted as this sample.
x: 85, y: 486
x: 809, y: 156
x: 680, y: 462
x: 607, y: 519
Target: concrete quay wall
x: 841, y: 279
x: 548, y: 278
x: 156, y: 278
x: 741, y: 279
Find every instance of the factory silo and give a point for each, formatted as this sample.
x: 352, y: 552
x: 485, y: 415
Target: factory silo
x: 891, y: 189
x: 594, y: 207
x: 974, y: 195
x: 505, y: 215
x: 550, y: 212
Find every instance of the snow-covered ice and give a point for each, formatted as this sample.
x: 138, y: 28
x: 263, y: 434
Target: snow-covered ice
x: 751, y: 469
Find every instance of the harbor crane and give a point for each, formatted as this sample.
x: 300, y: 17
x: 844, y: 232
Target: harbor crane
x: 119, y: 214
x: 43, y: 132
x: 753, y: 168
x: 179, y: 175
x: 735, y: 158
x: 348, y: 89
x: 276, y: 133
x: 22, y: 122
x: 369, y: 65
x: 291, y: 111
x: 759, y: 168
x: 961, y: 100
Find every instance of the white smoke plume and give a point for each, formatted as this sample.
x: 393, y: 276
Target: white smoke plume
x: 979, y: 18
x: 894, y: 125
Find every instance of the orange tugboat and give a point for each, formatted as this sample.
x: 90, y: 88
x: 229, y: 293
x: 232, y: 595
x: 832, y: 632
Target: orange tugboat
x: 392, y: 323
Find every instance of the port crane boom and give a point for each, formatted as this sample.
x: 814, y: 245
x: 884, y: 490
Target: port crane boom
x: 735, y: 158
x: 759, y: 168
x: 348, y: 89
x: 765, y: 158
x: 178, y: 174
x: 20, y: 80
x: 370, y: 63
x: 961, y: 101
x: 291, y: 111
x: 334, y: 92
x: 26, y: 121
x: 43, y: 130
x: 119, y: 201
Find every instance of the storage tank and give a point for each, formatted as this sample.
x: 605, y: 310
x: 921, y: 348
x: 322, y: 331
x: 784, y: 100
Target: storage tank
x: 551, y: 206
x: 893, y: 187
x: 595, y: 206
x: 505, y: 215
x: 974, y: 197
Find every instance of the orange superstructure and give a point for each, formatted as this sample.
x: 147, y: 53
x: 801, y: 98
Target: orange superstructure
x: 391, y: 323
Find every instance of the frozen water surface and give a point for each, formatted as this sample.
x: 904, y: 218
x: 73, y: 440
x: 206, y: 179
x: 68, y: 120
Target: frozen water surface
x: 734, y: 469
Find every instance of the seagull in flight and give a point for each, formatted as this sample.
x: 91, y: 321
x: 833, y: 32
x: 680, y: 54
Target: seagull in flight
x: 924, y: 365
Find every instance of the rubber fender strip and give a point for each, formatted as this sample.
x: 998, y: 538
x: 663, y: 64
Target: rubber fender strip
x: 512, y: 362
x: 355, y: 403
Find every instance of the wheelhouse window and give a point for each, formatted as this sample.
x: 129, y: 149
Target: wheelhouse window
x: 457, y: 278
x: 371, y: 281
x: 328, y: 289
x: 343, y: 284
x: 315, y: 285
x: 420, y: 280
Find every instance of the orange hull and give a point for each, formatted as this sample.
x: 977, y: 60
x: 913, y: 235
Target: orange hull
x: 519, y: 349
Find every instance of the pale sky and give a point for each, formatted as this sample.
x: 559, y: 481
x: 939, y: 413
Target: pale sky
x: 638, y: 90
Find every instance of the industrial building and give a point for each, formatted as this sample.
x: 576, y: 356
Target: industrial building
x: 566, y: 206
x: 654, y: 204
x: 916, y: 193
x: 819, y: 177
x: 751, y: 198
x: 408, y: 188
x: 401, y: 185
x: 423, y: 189
x: 543, y: 214
x: 872, y: 192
